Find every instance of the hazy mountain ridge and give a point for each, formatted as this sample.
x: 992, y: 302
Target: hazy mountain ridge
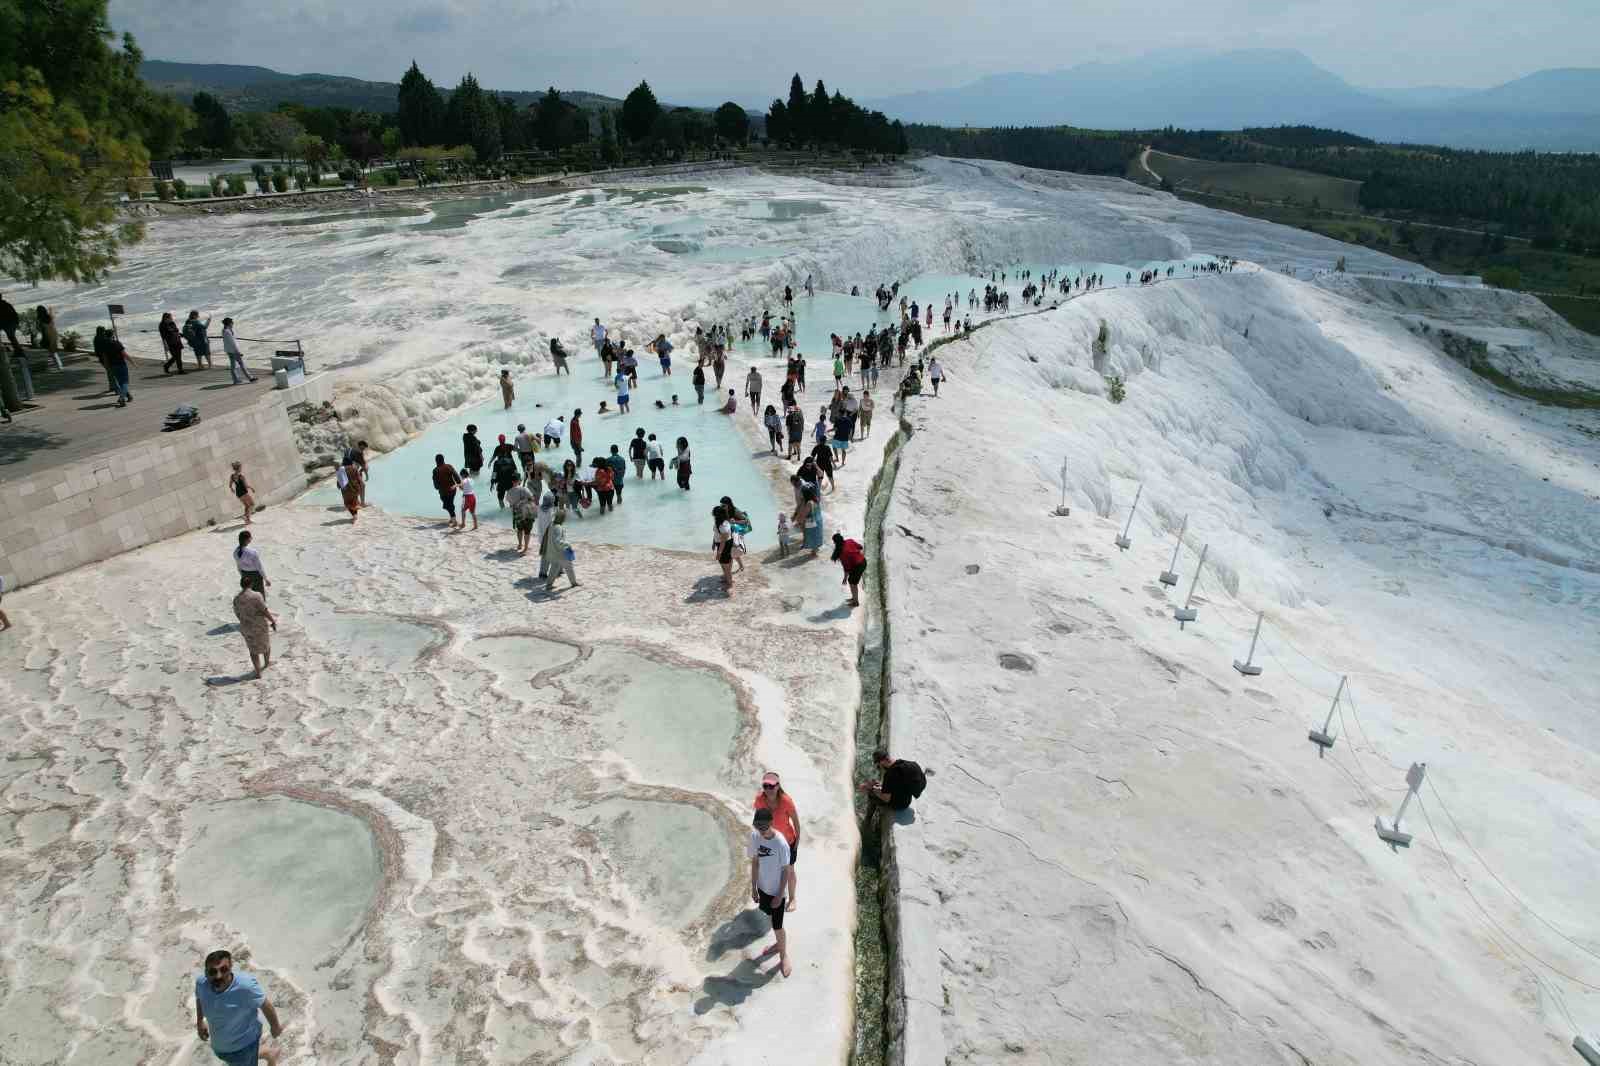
x: 251, y: 88
x: 1552, y: 109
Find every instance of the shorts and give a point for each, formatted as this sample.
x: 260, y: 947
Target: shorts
x: 658, y: 466
x: 527, y: 459
x: 245, y: 1056
x: 855, y: 574
x: 522, y: 525
x: 839, y: 445
x: 469, y: 504
x: 772, y: 907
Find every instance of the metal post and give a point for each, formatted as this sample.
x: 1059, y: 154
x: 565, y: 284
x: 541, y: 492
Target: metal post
x: 299, y: 348
x: 1123, y: 542
x: 1324, y: 737
x: 1187, y: 613
x: 1391, y: 835
x: 1590, y: 1053
x: 1248, y: 668
x: 1169, y: 576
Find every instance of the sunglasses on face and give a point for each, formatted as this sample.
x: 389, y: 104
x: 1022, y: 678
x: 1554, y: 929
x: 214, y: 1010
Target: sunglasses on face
x: 217, y: 971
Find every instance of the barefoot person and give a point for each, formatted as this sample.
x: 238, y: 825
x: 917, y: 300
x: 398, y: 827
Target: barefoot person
x: 249, y: 562
x: 225, y: 1006
x: 785, y: 818
x: 241, y: 489
x: 254, y: 622
x: 772, y: 882
x: 853, y: 560
x: 352, y: 486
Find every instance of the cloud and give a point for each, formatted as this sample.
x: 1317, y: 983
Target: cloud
x: 433, y: 21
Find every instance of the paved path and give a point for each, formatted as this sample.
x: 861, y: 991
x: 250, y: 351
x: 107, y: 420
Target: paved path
x: 73, y: 416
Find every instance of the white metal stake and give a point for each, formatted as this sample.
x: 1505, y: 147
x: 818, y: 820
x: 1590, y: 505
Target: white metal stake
x: 1187, y: 613
x: 1323, y: 738
x: 1169, y: 576
x: 1123, y: 542
x: 1391, y: 835
x: 1248, y: 668
x: 1063, y: 511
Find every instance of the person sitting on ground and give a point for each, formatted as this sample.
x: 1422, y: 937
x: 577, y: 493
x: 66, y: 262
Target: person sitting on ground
x: 731, y: 405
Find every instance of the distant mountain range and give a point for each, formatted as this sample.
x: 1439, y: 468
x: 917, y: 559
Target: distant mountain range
x: 246, y: 88
x: 1553, y: 110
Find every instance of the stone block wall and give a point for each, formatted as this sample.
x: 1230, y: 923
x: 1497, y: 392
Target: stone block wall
x: 170, y: 483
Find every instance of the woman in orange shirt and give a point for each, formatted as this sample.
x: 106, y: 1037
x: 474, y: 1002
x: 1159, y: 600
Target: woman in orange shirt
x: 785, y: 819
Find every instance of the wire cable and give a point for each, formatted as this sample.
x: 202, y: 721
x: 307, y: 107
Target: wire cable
x: 1497, y: 879
x: 1580, y: 982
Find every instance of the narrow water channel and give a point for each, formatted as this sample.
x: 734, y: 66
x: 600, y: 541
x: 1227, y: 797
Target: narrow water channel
x: 871, y: 948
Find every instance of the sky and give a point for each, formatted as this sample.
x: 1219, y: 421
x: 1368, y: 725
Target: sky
x: 711, y: 50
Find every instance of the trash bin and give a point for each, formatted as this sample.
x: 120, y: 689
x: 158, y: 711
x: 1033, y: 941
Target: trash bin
x: 280, y: 378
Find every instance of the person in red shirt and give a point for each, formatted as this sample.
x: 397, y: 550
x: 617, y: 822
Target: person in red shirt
x: 575, y: 436
x: 850, y: 555
x: 785, y: 819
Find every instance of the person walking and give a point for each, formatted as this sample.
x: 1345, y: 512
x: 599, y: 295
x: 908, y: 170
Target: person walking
x: 471, y: 452
x: 352, y: 486
x: 445, y: 483
x: 48, y: 335
x: 575, y: 435
x: 248, y: 561
x: 469, y: 500
x: 935, y: 373
x: 230, y: 347
x: 619, y: 471
x: 10, y: 400
x: 526, y: 445
x: 723, y: 545
x: 255, y: 623
x: 808, y: 519
x: 853, y: 560
x: 194, y: 331
x: 654, y: 458
x: 681, y: 462
x: 772, y: 883
x: 785, y: 819
x: 117, y: 366
x: 774, y: 427
x: 172, y: 341
x: 241, y: 490
x: 549, y: 504
x: 508, y: 391
x: 638, y: 452
x: 698, y: 379
x: 622, y: 384
x: 557, y: 555
x: 225, y: 1008
x: 524, y: 509
x: 558, y: 355
x: 598, y: 335
x: 864, y: 416
x: 752, y: 389
x: 357, y: 457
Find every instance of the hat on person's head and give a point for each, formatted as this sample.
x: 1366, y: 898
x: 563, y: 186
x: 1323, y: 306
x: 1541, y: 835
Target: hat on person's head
x: 769, y: 778
x: 762, y: 819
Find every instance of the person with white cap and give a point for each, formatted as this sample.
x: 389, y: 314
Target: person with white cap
x: 785, y: 818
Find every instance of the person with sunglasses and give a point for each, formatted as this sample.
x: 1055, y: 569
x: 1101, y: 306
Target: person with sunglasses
x: 785, y: 819
x: 225, y: 1006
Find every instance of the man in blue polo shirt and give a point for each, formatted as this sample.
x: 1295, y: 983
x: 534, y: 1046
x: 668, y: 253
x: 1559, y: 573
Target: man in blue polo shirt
x: 225, y: 1006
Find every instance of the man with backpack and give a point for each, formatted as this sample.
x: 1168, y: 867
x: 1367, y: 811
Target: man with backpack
x: 901, y: 781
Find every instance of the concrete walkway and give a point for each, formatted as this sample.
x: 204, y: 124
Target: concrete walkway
x: 74, y: 416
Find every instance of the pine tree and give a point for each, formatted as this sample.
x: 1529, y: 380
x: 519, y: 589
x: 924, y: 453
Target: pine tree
x: 421, y: 109
x: 778, y: 123
x: 213, y: 127
x: 639, y: 113
x: 472, y: 119
x: 820, y: 114
x: 799, y: 125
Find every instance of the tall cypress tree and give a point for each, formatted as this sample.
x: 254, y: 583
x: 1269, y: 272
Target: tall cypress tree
x: 421, y: 109
x: 798, y: 113
x: 820, y: 115
x: 472, y: 118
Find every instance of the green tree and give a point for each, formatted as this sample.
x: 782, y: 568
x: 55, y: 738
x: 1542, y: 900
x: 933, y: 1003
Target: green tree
x: 281, y: 132
x: 552, y: 121
x: 313, y: 149
x: 420, y: 109
x: 799, y: 112
x: 472, y: 119
x: 640, y: 111
x: 392, y: 141
x: 212, y: 126
x: 778, y: 123
x: 819, y: 115
x: 1503, y: 277
x: 733, y: 125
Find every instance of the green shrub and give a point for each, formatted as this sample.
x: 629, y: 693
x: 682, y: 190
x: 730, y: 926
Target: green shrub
x: 1118, y: 391
x: 390, y: 178
x: 280, y: 181
x: 180, y: 187
x: 70, y: 339
x: 235, y: 185
x: 164, y: 190
x: 1503, y: 277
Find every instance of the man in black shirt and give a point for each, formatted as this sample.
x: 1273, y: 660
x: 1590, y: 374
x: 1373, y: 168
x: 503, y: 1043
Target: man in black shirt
x: 902, y: 781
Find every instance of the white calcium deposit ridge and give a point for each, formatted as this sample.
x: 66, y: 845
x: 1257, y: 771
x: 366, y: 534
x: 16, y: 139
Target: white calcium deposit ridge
x: 1128, y: 852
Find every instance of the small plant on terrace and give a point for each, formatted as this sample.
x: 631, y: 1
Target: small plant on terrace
x: 1117, y: 391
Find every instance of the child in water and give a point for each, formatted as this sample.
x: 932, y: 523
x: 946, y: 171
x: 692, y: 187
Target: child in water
x: 784, y: 534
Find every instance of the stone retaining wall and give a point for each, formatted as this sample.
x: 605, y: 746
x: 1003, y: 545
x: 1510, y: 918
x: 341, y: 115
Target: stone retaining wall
x: 168, y: 484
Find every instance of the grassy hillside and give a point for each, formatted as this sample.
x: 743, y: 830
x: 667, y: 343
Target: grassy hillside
x: 1258, y: 180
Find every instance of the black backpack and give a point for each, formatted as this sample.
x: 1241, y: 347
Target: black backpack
x: 919, y: 780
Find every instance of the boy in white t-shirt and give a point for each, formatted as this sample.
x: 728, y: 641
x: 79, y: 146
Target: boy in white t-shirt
x: 469, y: 501
x: 772, y: 882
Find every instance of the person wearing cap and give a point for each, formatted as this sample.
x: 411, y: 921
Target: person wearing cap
x: 772, y: 882
x: 785, y: 818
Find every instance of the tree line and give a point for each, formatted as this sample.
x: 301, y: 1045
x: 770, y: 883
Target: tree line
x: 819, y: 120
